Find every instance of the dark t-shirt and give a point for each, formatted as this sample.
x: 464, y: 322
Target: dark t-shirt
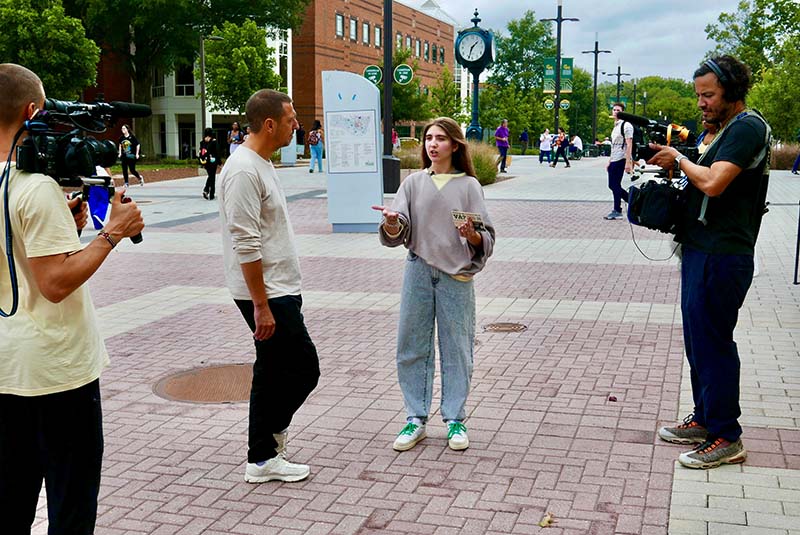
x: 733, y: 218
x: 129, y: 145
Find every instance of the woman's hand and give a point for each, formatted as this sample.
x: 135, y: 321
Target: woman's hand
x: 467, y: 230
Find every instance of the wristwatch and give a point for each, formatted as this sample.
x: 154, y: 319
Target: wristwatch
x: 678, y: 159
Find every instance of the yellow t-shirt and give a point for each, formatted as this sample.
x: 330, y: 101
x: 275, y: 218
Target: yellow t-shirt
x: 45, y: 347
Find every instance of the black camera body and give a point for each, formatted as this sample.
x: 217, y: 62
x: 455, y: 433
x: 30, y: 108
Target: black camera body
x: 67, y: 153
x: 674, y: 135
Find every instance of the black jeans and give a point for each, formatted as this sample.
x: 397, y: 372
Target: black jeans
x: 501, y: 160
x: 129, y: 164
x: 57, y: 438
x: 286, y: 371
x: 615, y: 172
x: 211, y: 180
x: 713, y: 288
x: 560, y: 151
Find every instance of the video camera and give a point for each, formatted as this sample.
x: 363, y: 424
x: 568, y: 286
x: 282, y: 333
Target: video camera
x: 68, y: 154
x: 674, y: 135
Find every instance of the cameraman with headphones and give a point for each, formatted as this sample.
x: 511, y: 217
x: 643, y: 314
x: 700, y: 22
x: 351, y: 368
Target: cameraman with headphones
x: 726, y: 199
x: 51, y: 350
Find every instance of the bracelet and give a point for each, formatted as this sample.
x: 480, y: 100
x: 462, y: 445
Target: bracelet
x: 108, y: 238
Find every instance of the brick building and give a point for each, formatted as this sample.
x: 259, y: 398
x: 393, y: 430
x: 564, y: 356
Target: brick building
x: 347, y: 35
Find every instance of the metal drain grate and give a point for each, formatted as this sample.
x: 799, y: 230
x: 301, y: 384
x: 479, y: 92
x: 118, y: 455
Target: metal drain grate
x: 212, y: 384
x: 505, y: 327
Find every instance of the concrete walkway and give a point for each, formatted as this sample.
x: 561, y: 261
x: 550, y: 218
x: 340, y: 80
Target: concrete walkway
x: 562, y: 416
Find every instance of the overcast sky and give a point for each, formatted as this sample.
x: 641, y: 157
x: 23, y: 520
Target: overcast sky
x: 646, y: 38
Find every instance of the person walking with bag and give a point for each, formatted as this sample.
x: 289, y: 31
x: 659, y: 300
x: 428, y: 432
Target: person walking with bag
x: 209, y: 159
x: 443, y: 258
x: 316, y: 141
x: 562, y: 142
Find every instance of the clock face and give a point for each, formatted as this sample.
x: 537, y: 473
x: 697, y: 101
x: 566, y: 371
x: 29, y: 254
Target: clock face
x: 472, y: 47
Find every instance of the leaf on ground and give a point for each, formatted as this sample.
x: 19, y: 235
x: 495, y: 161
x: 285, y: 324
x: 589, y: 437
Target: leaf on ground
x: 547, y: 521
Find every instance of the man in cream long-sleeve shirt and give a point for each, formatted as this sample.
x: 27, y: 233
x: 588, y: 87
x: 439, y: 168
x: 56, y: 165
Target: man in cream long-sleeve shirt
x: 263, y: 275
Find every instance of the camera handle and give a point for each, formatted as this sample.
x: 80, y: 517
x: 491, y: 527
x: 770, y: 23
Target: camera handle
x: 106, y: 183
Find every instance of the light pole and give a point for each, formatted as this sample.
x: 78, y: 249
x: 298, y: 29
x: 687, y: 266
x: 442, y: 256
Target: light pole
x: 203, y: 78
x: 558, y: 20
x: 391, y: 163
x: 596, y: 53
x: 619, y: 74
x: 644, y: 103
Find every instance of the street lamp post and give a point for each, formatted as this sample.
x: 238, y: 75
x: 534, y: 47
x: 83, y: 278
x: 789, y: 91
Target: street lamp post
x: 634, y: 97
x: 558, y: 20
x: 596, y: 53
x: 644, y: 103
x: 619, y: 74
x: 391, y: 163
x: 203, y: 78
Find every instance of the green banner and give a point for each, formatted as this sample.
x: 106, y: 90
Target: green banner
x: 613, y: 100
x: 566, y: 75
x: 550, y: 75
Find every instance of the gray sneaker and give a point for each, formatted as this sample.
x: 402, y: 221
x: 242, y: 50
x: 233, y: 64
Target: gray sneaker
x: 713, y: 453
x: 689, y: 432
x: 613, y: 215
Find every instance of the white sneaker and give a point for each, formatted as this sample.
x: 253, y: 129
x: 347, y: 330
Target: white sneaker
x: 457, y: 437
x: 276, y: 469
x: 409, y: 436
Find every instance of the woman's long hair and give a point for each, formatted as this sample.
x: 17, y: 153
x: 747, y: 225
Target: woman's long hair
x: 461, y: 158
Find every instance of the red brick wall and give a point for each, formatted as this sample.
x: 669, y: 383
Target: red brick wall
x: 317, y: 48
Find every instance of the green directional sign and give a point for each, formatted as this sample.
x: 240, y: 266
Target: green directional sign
x: 403, y: 74
x: 549, y: 104
x: 373, y: 73
x: 564, y: 104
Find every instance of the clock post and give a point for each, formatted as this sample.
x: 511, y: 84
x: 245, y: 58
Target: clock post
x: 475, y: 52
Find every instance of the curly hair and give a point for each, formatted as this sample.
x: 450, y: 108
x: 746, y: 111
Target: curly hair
x: 732, y: 75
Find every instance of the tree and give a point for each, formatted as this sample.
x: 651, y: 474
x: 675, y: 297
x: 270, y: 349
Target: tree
x: 520, y: 56
x: 39, y: 36
x: 238, y: 65
x: 755, y: 32
x: 165, y: 34
x: 777, y: 96
x: 497, y: 103
x: 409, y: 103
x: 446, y: 98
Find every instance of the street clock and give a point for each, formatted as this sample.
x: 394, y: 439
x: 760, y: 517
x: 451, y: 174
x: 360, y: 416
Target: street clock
x: 475, y: 51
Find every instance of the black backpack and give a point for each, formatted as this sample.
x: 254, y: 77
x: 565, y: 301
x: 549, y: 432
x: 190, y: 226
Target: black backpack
x: 638, y: 139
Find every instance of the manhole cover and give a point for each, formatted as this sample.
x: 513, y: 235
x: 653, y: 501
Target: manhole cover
x: 505, y: 327
x: 213, y: 384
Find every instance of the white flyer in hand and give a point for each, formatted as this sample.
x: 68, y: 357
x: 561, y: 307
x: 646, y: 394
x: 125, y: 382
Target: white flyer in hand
x: 460, y: 217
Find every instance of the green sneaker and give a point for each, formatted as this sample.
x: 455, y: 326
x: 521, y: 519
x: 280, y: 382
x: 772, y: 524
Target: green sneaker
x: 409, y: 436
x: 713, y: 453
x: 689, y: 432
x: 457, y: 436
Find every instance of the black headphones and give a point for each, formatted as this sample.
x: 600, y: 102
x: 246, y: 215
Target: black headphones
x: 716, y: 69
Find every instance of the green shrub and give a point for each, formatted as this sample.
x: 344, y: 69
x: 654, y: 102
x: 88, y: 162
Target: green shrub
x: 783, y: 157
x: 484, y: 160
x: 410, y: 158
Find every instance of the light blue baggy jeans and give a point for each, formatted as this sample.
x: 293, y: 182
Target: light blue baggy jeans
x: 429, y: 295
x: 316, y: 155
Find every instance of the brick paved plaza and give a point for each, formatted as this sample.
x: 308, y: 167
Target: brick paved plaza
x: 601, y: 321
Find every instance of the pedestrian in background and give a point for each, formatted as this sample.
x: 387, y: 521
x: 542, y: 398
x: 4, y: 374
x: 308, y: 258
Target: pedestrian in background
x: 316, y: 142
x: 561, y: 143
x: 545, y: 144
x: 620, y: 160
x: 300, y: 141
x: 501, y: 139
x: 443, y: 258
x: 523, y: 139
x: 128, y: 152
x: 209, y: 159
x: 235, y: 137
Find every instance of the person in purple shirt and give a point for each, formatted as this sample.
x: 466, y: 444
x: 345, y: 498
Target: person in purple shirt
x: 501, y: 137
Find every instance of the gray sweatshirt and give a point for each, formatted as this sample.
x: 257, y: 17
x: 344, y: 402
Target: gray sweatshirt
x: 427, y: 223
x: 255, y: 226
